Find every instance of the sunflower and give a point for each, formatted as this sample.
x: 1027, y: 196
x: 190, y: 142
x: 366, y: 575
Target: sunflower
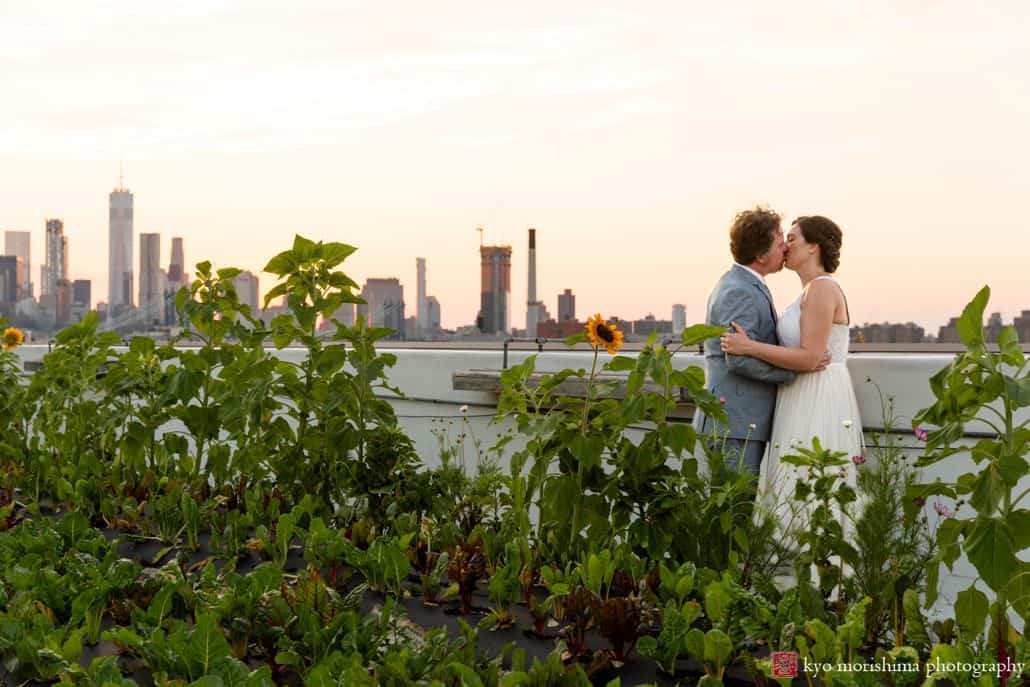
x: 601, y: 333
x: 12, y: 338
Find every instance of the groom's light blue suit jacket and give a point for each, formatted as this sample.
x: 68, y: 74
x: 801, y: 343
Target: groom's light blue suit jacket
x: 747, y: 384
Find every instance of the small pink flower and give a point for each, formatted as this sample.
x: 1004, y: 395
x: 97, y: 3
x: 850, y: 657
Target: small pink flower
x: 858, y: 460
x: 942, y: 510
x: 920, y: 501
x: 722, y: 400
x: 920, y: 433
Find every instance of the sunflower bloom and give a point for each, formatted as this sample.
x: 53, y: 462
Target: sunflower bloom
x: 12, y: 338
x: 600, y: 333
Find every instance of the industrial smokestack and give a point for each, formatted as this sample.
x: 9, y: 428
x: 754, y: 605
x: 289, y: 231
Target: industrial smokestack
x: 532, y: 267
x: 532, y: 305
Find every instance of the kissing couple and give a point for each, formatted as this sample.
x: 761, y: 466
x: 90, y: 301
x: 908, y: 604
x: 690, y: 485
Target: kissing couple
x: 783, y: 378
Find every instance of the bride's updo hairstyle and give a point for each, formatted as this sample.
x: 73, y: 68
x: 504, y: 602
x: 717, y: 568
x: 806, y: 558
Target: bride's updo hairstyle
x: 825, y: 234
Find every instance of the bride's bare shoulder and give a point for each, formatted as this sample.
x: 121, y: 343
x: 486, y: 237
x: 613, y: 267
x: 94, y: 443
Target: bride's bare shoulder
x: 821, y: 292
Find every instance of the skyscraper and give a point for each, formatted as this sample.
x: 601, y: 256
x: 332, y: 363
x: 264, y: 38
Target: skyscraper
x: 495, y: 290
x: 384, y: 304
x: 679, y: 318
x: 10, y: 268
x: 422, y: 315
x: 82, y: 292
x: 151, y: 279
x: 246, y: 284
x: 566, y: 306
x: 176, y: 267
x: 119, y: 255
x: 56, y: 252
x: 433, y: 314
x: 19, y: 243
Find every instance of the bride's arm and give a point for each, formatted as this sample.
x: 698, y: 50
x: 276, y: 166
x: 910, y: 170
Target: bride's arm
x: 817, y: 308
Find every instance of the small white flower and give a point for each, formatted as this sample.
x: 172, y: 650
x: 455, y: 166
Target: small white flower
x: 795, y: 442
x: 464, y: 409
x: 847, y: 424
x: 752, y: 426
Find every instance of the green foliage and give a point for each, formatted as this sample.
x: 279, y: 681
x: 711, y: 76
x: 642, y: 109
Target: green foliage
x: 988, y: 389
x: 891, y: 550
x: 820, y: 531
x: 595, y: 487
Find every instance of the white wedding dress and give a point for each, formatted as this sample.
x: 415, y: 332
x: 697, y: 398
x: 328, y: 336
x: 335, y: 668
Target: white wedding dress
x: 816, y: 404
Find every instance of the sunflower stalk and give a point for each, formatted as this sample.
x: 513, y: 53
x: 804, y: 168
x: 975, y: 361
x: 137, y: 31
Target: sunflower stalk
x: 574, y: 530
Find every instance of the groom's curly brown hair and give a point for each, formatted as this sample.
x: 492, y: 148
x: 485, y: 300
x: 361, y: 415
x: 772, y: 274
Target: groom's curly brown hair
x: 752, y: 234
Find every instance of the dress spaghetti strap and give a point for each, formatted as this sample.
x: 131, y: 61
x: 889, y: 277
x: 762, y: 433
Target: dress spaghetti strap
x: 847, y: 310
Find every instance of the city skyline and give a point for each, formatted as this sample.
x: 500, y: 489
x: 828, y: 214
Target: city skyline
x: 628, y: 139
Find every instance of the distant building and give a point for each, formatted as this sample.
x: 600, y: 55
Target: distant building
x: 949, y: 332
x: 648, y: 325
x: 19, y: 243
x: 495, y: 290
x: 422, y: 312
x: 994, y: 327
x: 552, y: 329
x: 566, y: 306
x: 344, y: 315
x: 679, y: 318
x: 151, y: 280
x: 81, y: 297
x: 384, y: 304
x: 624, y: 326
x: 432, y: 314
x: 63, y: 311
x: 888, y: 332
x: 56, y: 252
x: 176, y: 266
x: 119, y: 257
x: 246, y: 284
x: 82, y: 292
x: 1022, y: 325
x: 10, y: 269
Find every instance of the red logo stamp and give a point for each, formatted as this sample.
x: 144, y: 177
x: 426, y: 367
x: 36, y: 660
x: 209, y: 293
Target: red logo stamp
x: 784, y: 664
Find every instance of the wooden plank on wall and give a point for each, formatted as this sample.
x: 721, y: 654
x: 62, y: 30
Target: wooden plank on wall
x: 489, y: 381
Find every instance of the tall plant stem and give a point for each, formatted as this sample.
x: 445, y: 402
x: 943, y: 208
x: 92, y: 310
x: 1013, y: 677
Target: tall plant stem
x: 574, y: 528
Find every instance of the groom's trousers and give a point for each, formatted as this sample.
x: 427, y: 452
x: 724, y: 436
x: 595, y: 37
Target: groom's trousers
x: 744, y: 455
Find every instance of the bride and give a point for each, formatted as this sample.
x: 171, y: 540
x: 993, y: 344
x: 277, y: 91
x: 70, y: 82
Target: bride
x: 819, y: 403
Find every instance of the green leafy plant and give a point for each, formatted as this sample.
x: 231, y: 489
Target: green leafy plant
x: 585, y: 504
x: 334, y: 411
x: 71, y: 442
x: 820, y: 531
x: 891, y: 550
x: 504, y: 590
x: 988, y: 389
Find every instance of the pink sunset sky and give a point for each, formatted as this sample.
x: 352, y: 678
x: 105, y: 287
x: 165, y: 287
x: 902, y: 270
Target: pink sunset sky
x: 627, y: 133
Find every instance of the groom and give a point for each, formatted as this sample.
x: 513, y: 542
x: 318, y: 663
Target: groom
x: 746, y: 386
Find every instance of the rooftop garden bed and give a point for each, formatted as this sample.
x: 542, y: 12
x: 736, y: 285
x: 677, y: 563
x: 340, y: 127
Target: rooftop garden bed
x: 217, y: 516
